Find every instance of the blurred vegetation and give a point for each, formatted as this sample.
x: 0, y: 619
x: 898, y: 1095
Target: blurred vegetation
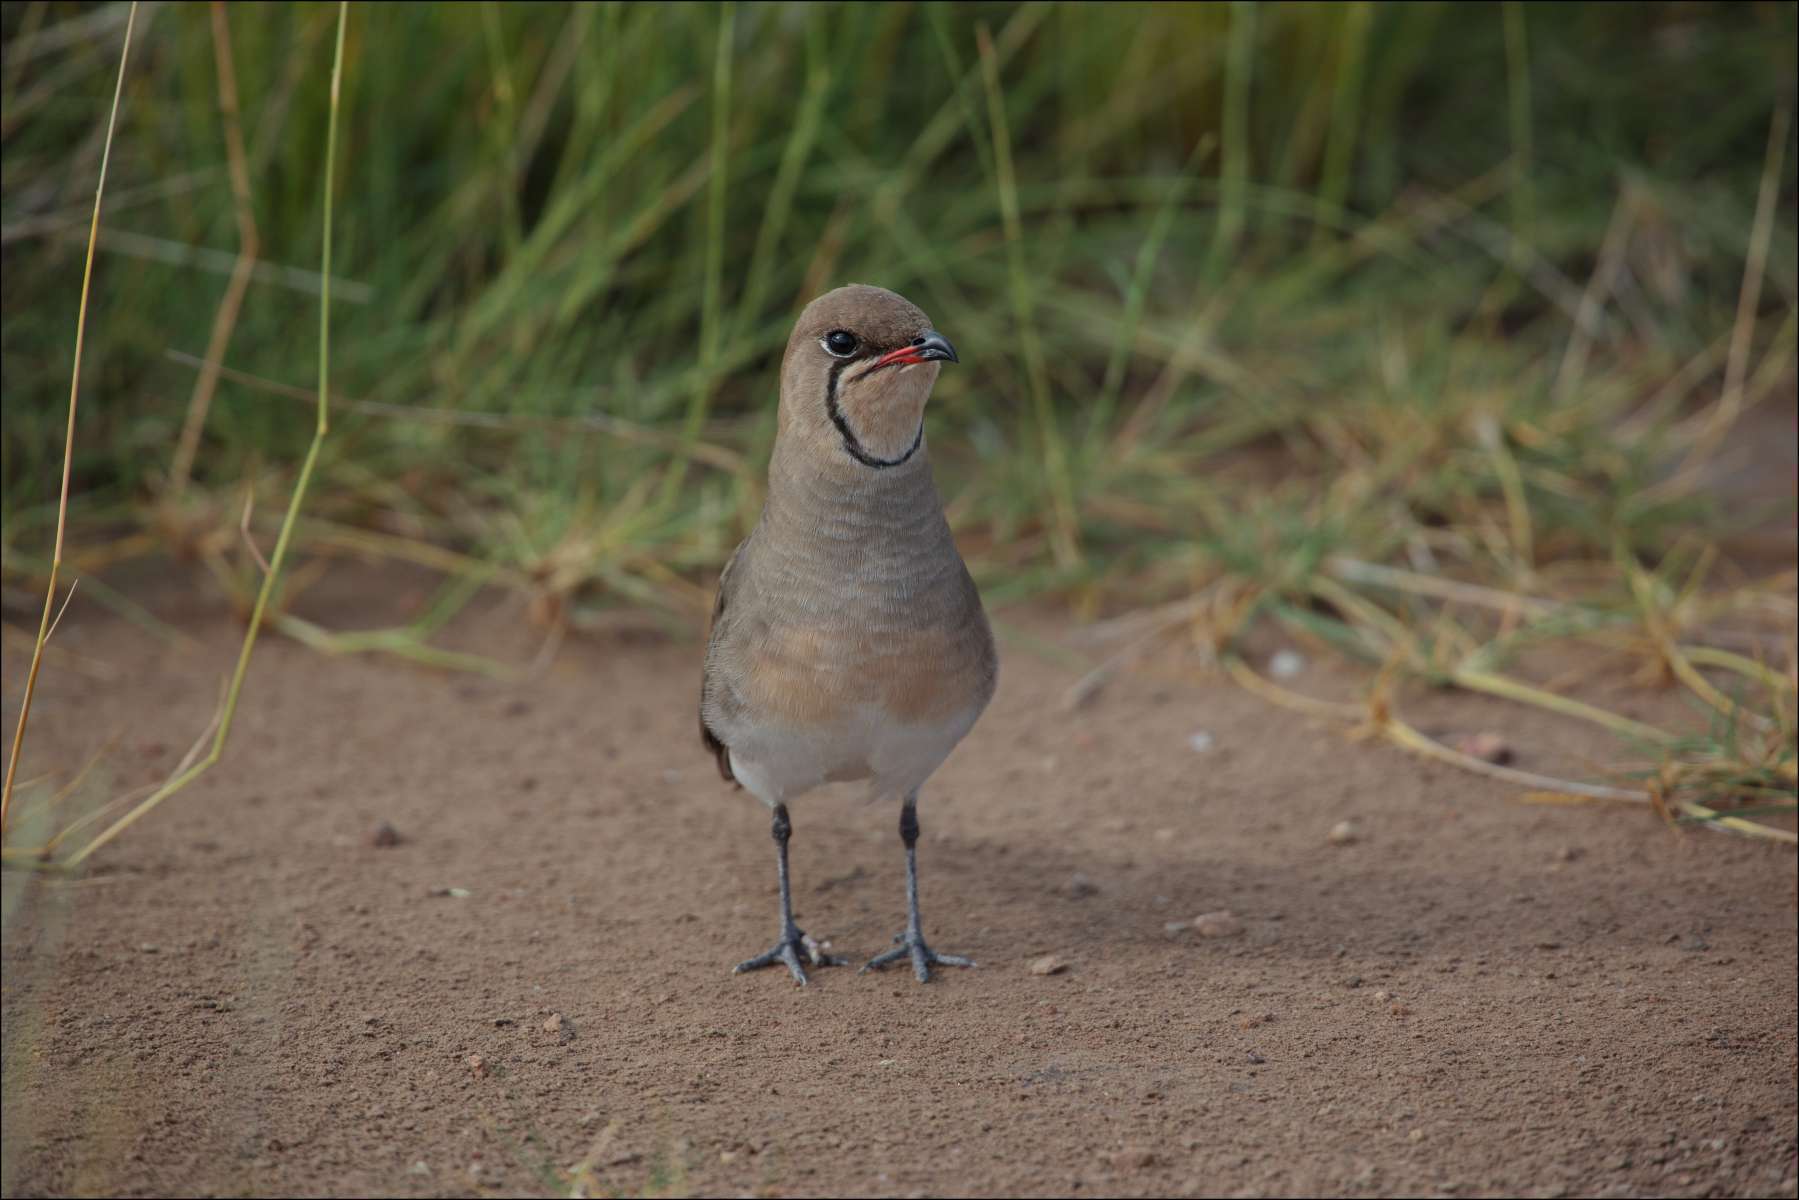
x: 1254, y: 302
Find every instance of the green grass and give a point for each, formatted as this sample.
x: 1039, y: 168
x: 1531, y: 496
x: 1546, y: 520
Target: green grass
x: 1242, y: 291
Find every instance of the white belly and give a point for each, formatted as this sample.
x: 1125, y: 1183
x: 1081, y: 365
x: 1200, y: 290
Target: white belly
x: 777, y: 764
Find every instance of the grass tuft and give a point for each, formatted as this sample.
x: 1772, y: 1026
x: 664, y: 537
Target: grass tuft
x: 1446, y: 346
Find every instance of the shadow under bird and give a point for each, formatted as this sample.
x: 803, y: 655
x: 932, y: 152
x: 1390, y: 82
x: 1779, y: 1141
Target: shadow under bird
x: 848, y: 641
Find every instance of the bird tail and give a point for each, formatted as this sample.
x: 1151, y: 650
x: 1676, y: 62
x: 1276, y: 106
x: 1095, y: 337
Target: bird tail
x: 719, y: 751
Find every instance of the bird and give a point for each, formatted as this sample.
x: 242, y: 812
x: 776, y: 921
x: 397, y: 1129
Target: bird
x: 848, y: 640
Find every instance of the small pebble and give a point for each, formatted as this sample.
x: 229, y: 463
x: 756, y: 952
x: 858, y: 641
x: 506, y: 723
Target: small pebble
x: 1134, y: 1158
x: 419, y: 1168
x: 1049, y: 964
x: 1218, y: 924
x: 1417, y: 1135
x: 1080, y: 887
x: 477, y: 1064
x: 1488, y: 747
x: 1201, y: 741
x: 1286, y: 664
x: 1383, y: 996
x: 1174, y: 929
x: 1342, y: 833
x: 384, y: 835
x: 1256, y: 1058
x: 561, y: 1026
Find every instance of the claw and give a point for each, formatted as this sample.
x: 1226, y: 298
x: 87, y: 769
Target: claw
x: 922, y: 956
x: 787, y: 951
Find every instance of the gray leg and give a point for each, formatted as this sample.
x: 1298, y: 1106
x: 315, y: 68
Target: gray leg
x: 911, y: 944
x: 793, y: 941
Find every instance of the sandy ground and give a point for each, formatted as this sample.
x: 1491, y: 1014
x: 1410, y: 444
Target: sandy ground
x: 530, y: 992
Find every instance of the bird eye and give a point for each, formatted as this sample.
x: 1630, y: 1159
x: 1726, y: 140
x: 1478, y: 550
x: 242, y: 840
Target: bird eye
x: 840, y: 343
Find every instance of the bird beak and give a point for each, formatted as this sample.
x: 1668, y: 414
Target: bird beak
x: 929, y: 346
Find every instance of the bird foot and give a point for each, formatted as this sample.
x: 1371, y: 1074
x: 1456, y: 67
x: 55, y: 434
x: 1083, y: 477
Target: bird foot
x: 913, y: 946
x: 794, y: 946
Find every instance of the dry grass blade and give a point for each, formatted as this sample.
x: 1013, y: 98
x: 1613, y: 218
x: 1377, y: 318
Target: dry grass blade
x: 1247, y: 677
x: 229, y: 708
x: 248, y: 246
x: 400, y: 643
x: 1355, y: 571
x: 1599, y: 286
x: 1540, y: 788
x: 1401, y: 734
x: 1683, y: 670
x: 1709, y: 656
x: 1511, y: 486
x: 93, y: 668
x: 1088, y: 686
x: 66, y: 600
x: 1747, y: 828
x: 590, y: 423
x: 62, y: 509
x: 111, y: 806
x: 1730, y: 401
x: 243, y: 529
x: 1498, y: 685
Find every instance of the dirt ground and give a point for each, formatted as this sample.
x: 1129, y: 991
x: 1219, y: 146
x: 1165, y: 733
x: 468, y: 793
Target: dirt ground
x: 529, y: 994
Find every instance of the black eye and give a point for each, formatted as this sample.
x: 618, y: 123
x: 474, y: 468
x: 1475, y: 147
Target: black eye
x: 840, y: 342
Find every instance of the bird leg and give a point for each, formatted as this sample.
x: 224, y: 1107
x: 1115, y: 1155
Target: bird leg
x: 793, y: 941
x: 911, y: 944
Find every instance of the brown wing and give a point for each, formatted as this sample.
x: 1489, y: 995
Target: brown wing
x: 719, y: 750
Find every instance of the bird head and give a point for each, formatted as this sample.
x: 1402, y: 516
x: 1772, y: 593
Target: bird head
x: 858, y: 371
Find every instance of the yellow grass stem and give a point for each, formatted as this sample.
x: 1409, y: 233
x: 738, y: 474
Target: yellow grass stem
x: 249, y: 245
x: 421, y: 553
x: 1246, y: 676
x: 1511, y: 485
x: 1542, y: 789
x: 1600, y: 283
x: 1710, y: 656
x: 1372, y: 616
x: 1401, y: 734
x: 402, y: 643
x: 1730, y: 401
x: 1678, y: 663
x: 1400, y: 580
x: 68, y: 453
x: 1498, y: 685
x: 181, y: 778
x: 1748, y: 828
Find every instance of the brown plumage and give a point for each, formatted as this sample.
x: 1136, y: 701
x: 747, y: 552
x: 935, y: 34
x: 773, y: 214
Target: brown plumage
x: 848, y: 640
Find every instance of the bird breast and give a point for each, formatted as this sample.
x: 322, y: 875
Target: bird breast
x: 808, y: 673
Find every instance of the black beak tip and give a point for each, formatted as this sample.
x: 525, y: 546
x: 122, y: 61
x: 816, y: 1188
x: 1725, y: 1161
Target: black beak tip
x: 934, y: 346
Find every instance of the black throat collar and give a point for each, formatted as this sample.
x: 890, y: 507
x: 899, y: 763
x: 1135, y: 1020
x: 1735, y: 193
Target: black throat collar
x: 851, y: 442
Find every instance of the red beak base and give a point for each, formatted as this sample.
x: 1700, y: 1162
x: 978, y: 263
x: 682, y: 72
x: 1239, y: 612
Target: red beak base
x: 904, y: 356
x: 929, y: 346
